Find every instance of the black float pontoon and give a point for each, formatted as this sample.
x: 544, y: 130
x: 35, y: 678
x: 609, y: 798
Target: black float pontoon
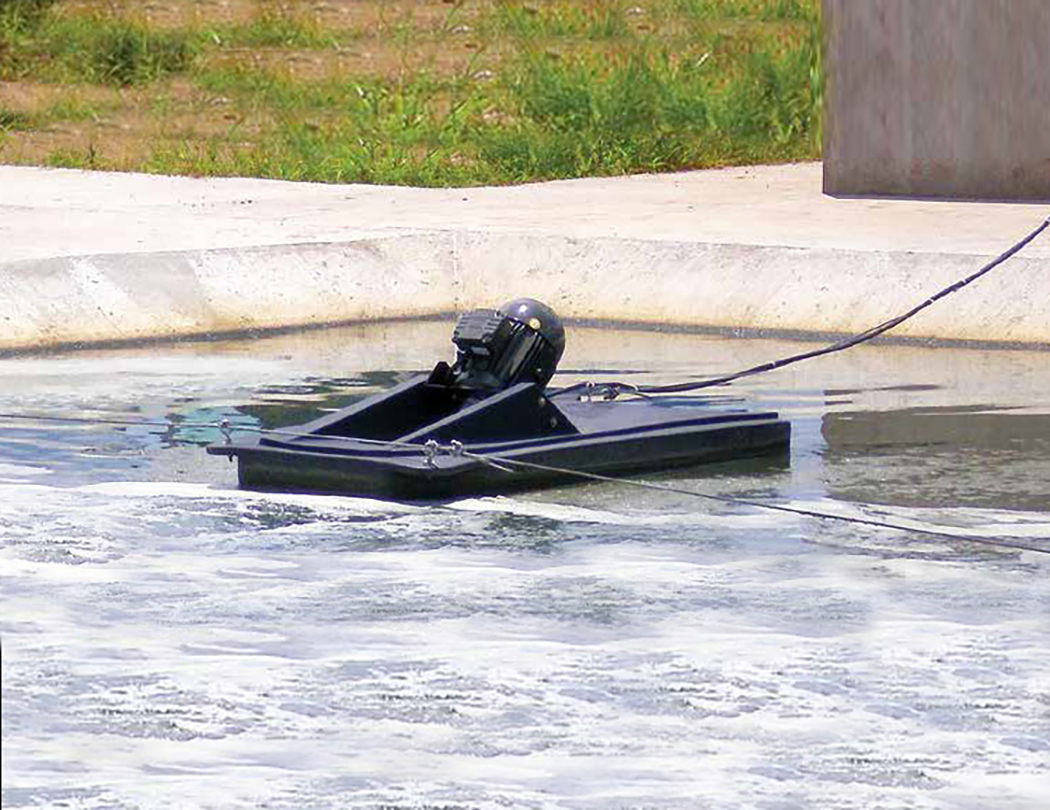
x: 422, y: 439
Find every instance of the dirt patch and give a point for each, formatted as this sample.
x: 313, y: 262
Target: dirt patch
x: 34, y: 97
x: 367, y: 15
x: 366, y: 59
x: 118, y: 128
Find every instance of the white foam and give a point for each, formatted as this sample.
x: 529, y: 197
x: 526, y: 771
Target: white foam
x: 13, y: 493
x: 748, y: 518
x: 19, y: 471
x: 978, y: 522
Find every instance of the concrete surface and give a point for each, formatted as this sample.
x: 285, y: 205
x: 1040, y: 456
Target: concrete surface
x: 93, y: 257
x: 944, y: 98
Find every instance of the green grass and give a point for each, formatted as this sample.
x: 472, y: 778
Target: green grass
x: 601, y: 21
x: 352, y: 131
x: 274, y: 28
x: 95, y: 50
x: 71, y: 108
x: 766, y: 10
x: 648, y: 112
x: 86, y: 158
x: 584, y: 88
x: 11, y: 120
x: 21, y: 16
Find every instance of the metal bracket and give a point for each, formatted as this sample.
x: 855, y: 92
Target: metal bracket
x: 431, y: 450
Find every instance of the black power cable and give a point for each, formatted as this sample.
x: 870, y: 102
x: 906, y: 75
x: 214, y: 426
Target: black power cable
x: 613, y: 389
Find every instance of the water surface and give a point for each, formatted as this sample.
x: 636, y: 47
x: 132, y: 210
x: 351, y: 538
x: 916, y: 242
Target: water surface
x: 171, y: 641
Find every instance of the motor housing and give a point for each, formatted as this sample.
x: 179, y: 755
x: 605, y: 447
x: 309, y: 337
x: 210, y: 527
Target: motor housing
x: 522, y: 341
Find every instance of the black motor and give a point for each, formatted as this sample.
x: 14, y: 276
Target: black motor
x: 522, y: 341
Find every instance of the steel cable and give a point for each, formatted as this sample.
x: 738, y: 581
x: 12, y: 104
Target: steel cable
x: 507, y: 465
x: 502, y: 460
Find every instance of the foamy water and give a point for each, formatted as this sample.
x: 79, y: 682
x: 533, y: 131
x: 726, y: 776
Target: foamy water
x: 171, y: 641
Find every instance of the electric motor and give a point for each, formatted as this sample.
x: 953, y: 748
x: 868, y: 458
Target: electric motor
x: 522, y: 341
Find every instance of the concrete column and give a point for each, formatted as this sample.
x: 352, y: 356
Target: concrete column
x: 938, y: 98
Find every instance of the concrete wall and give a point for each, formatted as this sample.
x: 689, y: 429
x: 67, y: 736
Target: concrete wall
x: 93, y: 257
x: 81, y: 300
x: 939, y: 98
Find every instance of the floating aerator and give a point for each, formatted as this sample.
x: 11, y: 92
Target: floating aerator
x: 487, y: 423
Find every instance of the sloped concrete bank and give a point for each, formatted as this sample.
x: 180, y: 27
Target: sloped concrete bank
x: 90, y: 258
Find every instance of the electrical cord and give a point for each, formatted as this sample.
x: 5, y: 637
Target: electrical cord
x: 613, y: 389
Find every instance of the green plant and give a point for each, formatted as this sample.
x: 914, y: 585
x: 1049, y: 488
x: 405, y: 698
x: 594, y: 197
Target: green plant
x: 788, y: 10
x: 276, y: 27
x: 100, y: 50
x: 74, y: 158
x: 74, y: 108
x: 770, y: 99
x: 18, y: 20
x: 593, y: 20
x: 11, y: 120
x: 123, y: 54
x: 21, y: 16
x: 748, y: 9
